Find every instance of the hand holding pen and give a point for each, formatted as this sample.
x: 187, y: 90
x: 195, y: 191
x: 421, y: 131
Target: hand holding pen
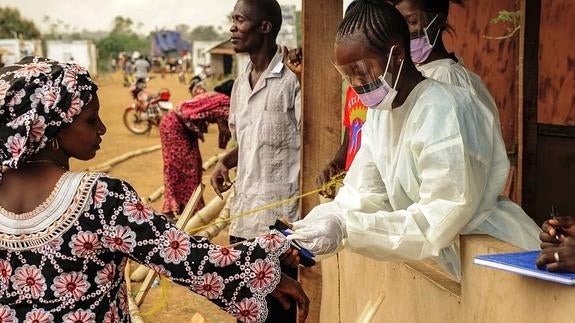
x: 556, y: 229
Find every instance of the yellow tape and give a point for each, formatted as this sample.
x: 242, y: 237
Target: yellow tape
x: 334, y: 180
x: 163, y: 281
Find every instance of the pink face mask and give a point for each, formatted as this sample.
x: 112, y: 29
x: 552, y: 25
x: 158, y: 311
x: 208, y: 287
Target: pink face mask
x: 379, y: 94
x: 421, y: 47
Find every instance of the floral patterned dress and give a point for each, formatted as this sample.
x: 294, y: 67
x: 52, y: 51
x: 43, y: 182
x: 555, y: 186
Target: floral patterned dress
x: 63, y: 261
x: 180, y: 149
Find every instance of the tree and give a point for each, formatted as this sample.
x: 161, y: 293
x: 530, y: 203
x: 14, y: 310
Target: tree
x: 203, y: 32
x: 12, y: 24
x: 122, y: 25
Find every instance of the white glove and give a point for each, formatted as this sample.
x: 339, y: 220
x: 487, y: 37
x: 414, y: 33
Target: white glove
x: 319, y: 232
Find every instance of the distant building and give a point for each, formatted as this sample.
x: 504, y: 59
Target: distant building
x: 82, y: 52
x: 13, y: 49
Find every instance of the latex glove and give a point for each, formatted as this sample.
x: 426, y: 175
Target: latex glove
x: 319, y: 232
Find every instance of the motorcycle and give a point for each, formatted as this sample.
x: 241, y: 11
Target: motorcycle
x: 147, y: 109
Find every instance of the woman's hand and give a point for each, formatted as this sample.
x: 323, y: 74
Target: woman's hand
x: 330, y: 170
x: 290, y: 258
x: 224, y: 133
x: 287, y: 288
x: 564, y: 252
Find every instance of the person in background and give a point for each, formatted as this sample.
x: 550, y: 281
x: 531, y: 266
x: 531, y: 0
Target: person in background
x: 431, y: 164
x: 180, y: 130
x: 265, y: 114
x: 427, y: 22
x: 141, y: 69
x: 558, y: 244
x: 65, y: 236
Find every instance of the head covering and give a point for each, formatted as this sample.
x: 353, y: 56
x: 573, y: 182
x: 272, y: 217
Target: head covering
x: 194, y: 83
x: 38, y: 98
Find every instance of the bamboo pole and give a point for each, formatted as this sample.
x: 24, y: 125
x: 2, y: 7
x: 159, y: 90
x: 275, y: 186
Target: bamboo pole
x: 135, y: 315
x: 207, y: 213
x: 182, y: 221
x: 155, y: 194
x: 213, y: 160
x: 106, y: 166
x: 220, y: 223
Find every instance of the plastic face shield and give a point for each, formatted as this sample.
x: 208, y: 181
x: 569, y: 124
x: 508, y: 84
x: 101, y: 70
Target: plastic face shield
x: 431, y: 30
x: 366, y: 74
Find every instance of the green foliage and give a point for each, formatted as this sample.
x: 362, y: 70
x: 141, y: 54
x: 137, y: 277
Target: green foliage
x: 121, y: 39
x: 511, y: 19
x: 12, y: 23
x: 203, y: 32
x: 298, y: 27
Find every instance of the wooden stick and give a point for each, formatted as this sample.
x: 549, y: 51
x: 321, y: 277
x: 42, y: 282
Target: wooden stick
x: 182, y: 221
x: 105, y: 166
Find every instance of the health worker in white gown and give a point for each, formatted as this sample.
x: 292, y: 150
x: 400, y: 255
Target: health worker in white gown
x: 432, y: 161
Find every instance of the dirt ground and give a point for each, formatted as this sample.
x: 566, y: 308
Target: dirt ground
x: 144, y: 172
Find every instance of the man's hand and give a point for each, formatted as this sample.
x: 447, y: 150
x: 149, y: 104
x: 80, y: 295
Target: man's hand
x: 220, y: 179
x: 287, y: 288
x: 564, y: 252
x: 293, y: 59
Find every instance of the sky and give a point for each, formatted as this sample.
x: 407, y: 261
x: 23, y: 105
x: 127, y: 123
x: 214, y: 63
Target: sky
x: 95, y: 15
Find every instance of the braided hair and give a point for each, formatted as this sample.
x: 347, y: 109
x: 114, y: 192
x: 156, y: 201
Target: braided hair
x: 374, y: 20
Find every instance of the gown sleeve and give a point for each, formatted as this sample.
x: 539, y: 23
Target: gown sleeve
x: 237, y: 278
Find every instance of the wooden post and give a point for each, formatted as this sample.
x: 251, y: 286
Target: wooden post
x: 527, y: 113
x: 322, y: 117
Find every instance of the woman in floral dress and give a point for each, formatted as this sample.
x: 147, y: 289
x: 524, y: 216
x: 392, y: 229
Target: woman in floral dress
x: 180, y: 130
x: 65, y: 236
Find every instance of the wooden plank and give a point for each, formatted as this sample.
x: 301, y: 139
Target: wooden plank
x: 494, y: 61
x: 556, y: 63
x: 527, y: 116
x: 181, y: 224
x: 321, y: 114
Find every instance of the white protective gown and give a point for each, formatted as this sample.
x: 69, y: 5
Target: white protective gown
x: 451, y: 72
x: 426, y: 172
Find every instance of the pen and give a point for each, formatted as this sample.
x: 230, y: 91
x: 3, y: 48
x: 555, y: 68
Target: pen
x: 554, y: 214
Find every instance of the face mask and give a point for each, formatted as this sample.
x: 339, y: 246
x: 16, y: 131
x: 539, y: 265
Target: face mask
x: 379, y: 94
x: 421, y: 47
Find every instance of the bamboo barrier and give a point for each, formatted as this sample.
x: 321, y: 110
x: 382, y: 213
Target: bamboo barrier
x: 207, y: 213
x: 106, y: 166
x: 182, y: 222
x: 213, y: 160
x: 201, y: 218
x: 155, y: 194
x: 133, y: 309
x: 220, y: 223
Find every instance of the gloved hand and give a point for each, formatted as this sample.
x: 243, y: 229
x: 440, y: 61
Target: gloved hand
x: 319, y: 232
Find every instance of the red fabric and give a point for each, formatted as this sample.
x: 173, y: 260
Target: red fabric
x: 180, y: 149
x: 354, y: 117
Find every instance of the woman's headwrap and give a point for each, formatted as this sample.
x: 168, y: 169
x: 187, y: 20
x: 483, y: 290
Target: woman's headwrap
x: 38, y: 98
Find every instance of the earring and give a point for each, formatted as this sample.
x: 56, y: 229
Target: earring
x: 55, y: 144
